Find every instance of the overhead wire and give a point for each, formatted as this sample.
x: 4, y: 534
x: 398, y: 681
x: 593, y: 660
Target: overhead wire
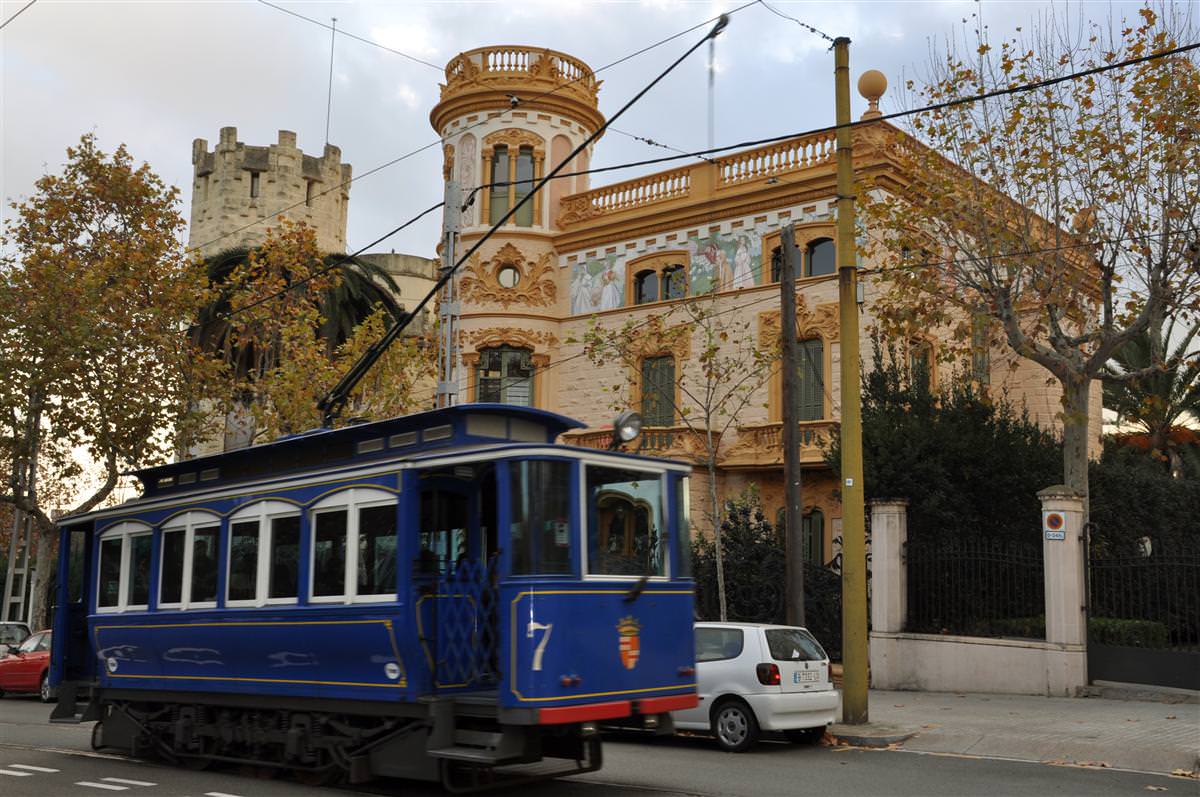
x: 21, y: 11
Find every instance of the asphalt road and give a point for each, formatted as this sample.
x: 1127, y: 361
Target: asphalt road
x: 42, y: 760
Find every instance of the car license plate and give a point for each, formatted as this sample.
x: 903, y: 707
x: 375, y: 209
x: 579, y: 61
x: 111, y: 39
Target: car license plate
x: 809, y: 675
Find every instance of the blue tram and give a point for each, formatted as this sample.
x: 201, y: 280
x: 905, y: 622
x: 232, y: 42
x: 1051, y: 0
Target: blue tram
x: 444, y: 596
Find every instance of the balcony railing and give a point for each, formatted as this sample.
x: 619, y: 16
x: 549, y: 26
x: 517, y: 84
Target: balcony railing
x: 505, y: 62
x: 699, y: 181
x: 761, y: 445
x: 679, y: 442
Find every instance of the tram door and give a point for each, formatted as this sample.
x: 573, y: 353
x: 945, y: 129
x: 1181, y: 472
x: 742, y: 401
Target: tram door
x: 456, y: 569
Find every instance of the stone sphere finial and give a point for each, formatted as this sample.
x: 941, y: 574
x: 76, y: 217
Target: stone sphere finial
x: 871, y: 85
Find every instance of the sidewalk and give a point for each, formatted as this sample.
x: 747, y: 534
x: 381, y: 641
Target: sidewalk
x: 1125, y: 734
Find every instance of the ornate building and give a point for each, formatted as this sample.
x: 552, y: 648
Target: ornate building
x: 632, y: 250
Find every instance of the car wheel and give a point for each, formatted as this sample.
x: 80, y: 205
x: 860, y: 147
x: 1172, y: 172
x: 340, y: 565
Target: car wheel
x: 805, y: 735
x: 44, y: 690
x: 734, y: 726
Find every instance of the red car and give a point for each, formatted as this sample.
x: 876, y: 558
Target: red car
x: 28, y: 668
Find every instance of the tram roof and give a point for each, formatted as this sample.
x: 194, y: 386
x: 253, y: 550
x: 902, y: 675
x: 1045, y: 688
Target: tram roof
x: 419, y: 433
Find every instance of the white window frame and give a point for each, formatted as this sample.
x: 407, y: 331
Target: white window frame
x: 264, y: 512
x: 583, y: 520
x: 187, y: 523
x: 350, y: 501
x: 125, y: 531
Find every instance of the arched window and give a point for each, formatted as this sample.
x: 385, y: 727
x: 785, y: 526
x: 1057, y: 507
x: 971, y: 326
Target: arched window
x: 658, y: 391
x: 812, y: 379
x: 354, y: 547
x: 505, y: 376
x: 816, y: 259
x: 511, y: 177
x: 645, y: 287
x: 920, y: 363
x: 123, y: 572
x: 819, y: 258
x: 659, y: 277
x: 264, y: 554
x: 187, y: 575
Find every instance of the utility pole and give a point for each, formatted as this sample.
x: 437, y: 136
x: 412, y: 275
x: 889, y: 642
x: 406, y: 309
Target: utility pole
x: 448, y: 306
x: 854, y: 542
x: 793, y: 506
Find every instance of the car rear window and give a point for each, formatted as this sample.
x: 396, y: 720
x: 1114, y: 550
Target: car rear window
x: 793, y: 644
x: 12, y: 634
x: 714, y: 644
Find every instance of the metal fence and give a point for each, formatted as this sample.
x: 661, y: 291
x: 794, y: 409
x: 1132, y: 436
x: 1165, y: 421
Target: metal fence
x: 1146, y: 601
x: 975, y: 587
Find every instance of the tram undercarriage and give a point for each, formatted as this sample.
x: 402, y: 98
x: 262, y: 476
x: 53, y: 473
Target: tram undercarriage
x: 458, y: 745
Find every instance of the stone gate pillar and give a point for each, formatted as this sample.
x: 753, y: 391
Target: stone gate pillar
x: 1064, y: 558
x: 889, y: 570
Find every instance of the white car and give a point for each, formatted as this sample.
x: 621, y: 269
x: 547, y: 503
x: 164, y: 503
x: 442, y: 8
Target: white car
x: 754, y: 677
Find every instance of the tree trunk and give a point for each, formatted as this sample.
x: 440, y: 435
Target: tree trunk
x: 1075, y: 436
x: 39, y: 589
x: 715, y: 513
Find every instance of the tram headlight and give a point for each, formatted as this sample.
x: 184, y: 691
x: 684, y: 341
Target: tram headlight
x: 626, y: 428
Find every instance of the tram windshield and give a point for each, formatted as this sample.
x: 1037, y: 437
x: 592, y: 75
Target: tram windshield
x: 626, y: 534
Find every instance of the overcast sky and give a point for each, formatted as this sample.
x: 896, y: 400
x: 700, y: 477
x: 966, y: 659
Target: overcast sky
x: 155, y: 75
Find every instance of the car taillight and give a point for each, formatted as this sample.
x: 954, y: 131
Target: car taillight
x: 768, y: 674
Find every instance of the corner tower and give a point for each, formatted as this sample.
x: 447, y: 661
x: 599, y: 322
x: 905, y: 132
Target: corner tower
x: 237, y: 185
x: 507, y: 115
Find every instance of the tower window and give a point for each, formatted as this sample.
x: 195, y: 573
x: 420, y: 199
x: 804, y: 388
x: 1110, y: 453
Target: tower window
x: 512, y: 176
x: 308, y: 193
x: 505, y: 376
x: 253, y: 185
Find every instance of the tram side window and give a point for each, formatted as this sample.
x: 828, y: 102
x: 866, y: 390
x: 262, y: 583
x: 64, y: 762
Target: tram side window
x: 354, y: 547
x: 329, y: 553
x: 123, y: 572
x: 188, y: 572
x: 284, y: 573
x: 110, y: 573
x: 626, y: 536
x: 377, y: 550
x: 243, y: 561
x: 540, y: 531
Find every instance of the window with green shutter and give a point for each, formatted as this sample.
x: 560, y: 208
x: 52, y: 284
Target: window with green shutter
x: 658, y: 391
x: 812, y: 530
x: 812, y: 380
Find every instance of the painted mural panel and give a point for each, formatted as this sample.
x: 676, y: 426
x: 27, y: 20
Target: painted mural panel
x: 598, y: 285
x: 726, y: 261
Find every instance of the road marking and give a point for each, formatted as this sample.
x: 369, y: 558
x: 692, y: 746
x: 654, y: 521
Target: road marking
x: 129, y: 782
x: 15, y: 773
x: 219, y: 794
x: 32, y: 768
x: 108, y: 786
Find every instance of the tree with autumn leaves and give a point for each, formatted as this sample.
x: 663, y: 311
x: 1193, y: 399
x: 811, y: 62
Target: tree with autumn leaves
x: 1062, y: 222
x: 95, y: 290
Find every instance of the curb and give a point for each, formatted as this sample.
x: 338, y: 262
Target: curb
x: 870, y: 734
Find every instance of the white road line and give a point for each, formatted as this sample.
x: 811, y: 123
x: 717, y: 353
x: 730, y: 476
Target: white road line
x: 32, y: 768
x: 129, y: 782
x: 108, y: 786
x: 219, y: 794
x: 15, y: 773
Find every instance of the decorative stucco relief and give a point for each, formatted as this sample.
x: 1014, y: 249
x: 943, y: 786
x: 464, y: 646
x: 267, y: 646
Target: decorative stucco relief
x: 481, y: 284
x: 822, y: 322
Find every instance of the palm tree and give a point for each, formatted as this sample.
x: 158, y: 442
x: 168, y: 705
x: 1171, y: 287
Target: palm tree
x: 1162, y: 405
x: 363, y: 288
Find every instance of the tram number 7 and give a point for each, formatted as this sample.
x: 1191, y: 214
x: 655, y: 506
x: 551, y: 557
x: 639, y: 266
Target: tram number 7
x: 541, y: 647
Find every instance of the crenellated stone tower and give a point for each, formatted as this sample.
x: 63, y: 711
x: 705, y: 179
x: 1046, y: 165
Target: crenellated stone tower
x: 509, y: 114
x: 236, y: 185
